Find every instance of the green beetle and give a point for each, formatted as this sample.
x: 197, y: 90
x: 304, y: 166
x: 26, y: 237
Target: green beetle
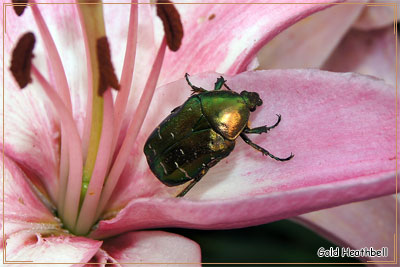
x: 201, y: 132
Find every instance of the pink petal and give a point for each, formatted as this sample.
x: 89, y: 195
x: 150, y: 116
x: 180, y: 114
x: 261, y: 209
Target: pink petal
x: 31, y: 135
x: 63, y: 24
x: 226, y: 37
x: 193, y: 28
x: 102, y: 258
x: 31, y: 128
x: 153, y: 247
x: 341, y: 128
x: 22, y: 208
x: 308, y: 43
x: 377, y: 17
x: 358, y: 225
x: 372, y: 53
x: 50, y: 248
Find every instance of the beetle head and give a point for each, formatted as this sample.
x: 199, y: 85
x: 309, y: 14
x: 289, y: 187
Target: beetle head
x: 252, y: 100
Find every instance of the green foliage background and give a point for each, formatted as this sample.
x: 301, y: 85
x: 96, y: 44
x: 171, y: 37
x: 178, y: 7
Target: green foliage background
x: 277, y: 242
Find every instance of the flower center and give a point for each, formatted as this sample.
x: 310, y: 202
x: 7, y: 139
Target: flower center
x: 90, y: 165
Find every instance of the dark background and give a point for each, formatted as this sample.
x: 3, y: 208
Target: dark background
x: 281, y: 241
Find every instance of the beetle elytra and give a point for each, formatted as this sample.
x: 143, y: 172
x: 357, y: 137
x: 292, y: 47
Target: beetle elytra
x: 201, y: 132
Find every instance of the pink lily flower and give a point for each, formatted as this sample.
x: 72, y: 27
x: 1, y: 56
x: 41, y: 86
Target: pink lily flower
x: 340, y: 126
x: 363, y: 41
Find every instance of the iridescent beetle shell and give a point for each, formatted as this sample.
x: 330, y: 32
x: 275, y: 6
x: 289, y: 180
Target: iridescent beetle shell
x: 199, y: 133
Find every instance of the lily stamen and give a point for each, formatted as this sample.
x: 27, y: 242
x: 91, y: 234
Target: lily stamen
x: 171, y: 19
x: 106, y: 69
x: 133, y: 130
x: 94, y: 189
x: 99, y: 117
x: 173, y: 38
x: 19, y: 6
x: 56, y: 65
x: 22, y: 59
x: 87, y: 173
x: 62, y: 87
x: 127, y: 73
x: 75, y: 151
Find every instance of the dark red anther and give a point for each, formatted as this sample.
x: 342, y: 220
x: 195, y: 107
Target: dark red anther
x: 19, y: 6
x: 172, y: 23
x: 22, y: 59
x: 106, y: 69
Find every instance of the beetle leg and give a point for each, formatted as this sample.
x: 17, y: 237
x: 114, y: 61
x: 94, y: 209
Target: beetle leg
x: 196, y: 179
x: 195, y: 89
x: 187, y: 188
x: 262, y: 150
x: 262, y: 129
x: 175, y: 109
x: 219, y: 83
x: 227, y: 87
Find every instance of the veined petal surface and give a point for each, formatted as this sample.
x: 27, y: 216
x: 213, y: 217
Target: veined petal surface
x: 224, y: 38
x: 341, y: 128
x: 23, y: 210
x: 153, y: 247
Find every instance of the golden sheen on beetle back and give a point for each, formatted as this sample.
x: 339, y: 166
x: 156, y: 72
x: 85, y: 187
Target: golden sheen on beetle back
x: 201, y: 132
x: 226, y: 111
